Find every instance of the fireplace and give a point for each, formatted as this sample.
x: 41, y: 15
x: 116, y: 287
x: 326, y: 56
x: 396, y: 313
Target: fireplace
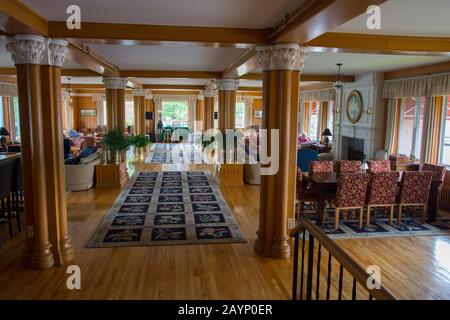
x: 353, y: 149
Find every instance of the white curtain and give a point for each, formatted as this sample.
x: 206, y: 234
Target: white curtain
x: 438, y: 85
x: 412, y: 87
x: 327, y: 94
x: 8, y: 89
x: 190, y: 99
x: 99, y: 99
x: 391, y: 124
x: 248, y: 112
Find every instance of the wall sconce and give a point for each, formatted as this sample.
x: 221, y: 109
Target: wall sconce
x: 369, y: 111
x: 336, y: 110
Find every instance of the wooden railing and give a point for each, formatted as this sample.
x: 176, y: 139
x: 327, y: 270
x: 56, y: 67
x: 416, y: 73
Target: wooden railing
x: 307, y: 287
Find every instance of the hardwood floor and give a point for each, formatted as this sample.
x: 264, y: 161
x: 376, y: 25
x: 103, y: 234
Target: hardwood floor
x: 413, y: 267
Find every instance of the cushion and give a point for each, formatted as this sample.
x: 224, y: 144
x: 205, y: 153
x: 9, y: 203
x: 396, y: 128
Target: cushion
x: 73, y: 134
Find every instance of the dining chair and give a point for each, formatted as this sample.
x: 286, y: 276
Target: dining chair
x: 304, y: 194
x: 436, y: 186
x: 350, y: 195
x: 414, y: 190
x: 348, y: 166
x: 321, y: 166
x: 382, y: 192
x: 379, y: 166
x: 6, y: 170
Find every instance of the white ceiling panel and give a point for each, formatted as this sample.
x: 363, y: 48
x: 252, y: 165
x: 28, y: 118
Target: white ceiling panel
x: 214, y: 13
x: 355, y: 64
x: 407, y: 17
x: 168, y: 58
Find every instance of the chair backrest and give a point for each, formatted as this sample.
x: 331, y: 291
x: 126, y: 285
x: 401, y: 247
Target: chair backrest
x: 352, y: 190
x: 383, y: 187
x: 298, y: 182
x: 88, y: 142
x: 324, y: 156
x: 321, y: 166
x: 6, y: 171
x: 438, y: 171
x: 415, y: 186
x: 379, y: 166
x: 348, y: 166
x: 304, y: 157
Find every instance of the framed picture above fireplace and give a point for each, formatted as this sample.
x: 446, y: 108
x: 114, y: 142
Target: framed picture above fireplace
x: 354, y: 106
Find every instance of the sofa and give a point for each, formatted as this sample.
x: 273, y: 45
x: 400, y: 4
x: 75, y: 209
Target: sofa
x: 81, y: 176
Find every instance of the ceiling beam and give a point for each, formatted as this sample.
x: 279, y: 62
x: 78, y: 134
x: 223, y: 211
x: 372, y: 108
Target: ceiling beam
x: 134, y: 84
x: 418, y: 71
x: 172, y: 87
x: 384, y: 44
x: 251, y: 89
x: 83, y: 86
x: 245, y: 63
x: 303, y: 77
x: 91, y: 61
x: 79, y: 73
x: 309, y: 21
x: 317, y: 17
x: 15, y: 18
x: 170, y: 74
x: 139, y: 34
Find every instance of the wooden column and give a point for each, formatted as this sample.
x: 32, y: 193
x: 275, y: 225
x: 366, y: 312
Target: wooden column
x: 199, y: 114
x: 209, y: 109
x: 115, y: 102
x: 281, y: 64
x: 227, y: 103
x: 139, y: 111
x: 27, y: 53
x: 150, y: 107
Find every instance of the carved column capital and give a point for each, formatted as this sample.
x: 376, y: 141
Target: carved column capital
x: 57, y: 52
x: 227, y: 84
x: 26, y: 48
x: 115, y: 83
x: 139, y: 92
x: 209, y: 93
x: 285, y: 56
x: 264, y: 54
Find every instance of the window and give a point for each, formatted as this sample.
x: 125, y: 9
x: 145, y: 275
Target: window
x: 129, y: 113
x: 175, y: 113
x: 240, y: 114
x: 105, y: 117
x: 313, y: 120
x: 445, y: 151
x: 15, y: 101
x: 411, y: 125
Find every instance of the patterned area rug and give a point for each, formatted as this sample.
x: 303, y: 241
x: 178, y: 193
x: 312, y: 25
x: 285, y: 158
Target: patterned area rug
x: 381, y: 227
x: 180, y: 153
x: 172, y: 207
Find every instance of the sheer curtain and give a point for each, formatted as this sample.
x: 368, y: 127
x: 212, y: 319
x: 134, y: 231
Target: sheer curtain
x: 393, y: 125
x: 99, y: 99
x: 432, y: 130
x: 190, y: 99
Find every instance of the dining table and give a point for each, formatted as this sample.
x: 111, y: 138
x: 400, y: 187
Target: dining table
x: 326, y: 185
x: 8, y: 156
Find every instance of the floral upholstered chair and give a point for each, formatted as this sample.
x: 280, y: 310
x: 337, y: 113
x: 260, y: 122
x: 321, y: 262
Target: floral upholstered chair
x: 88, y: 142
x: 321, y: 166
x: 350, y: 195
x: 414, y: 190
x: 383, y: 188
x: 436, y: 186
x: 379, y: 166
x: 348, y: 166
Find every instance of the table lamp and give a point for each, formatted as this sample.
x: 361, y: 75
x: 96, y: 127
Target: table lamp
x: 326, y: 133
x: 3, y: 134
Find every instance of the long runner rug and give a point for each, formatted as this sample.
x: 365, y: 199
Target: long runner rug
x: 381, y: 228
x: 174, y: 153
x: 172, y: 207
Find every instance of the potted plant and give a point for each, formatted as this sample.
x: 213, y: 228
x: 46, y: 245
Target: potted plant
x: 139, y: 142
x: 116, y: 142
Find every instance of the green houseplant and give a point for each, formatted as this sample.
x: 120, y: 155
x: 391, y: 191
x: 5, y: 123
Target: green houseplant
x: 139, y: 141
x: 116, y: 142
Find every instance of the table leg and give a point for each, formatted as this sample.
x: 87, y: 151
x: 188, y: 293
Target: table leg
x: 320, y: 206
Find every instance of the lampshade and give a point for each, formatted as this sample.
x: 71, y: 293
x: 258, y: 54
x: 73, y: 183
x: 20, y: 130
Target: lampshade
x: 327, y: 133
x: 4, y: 132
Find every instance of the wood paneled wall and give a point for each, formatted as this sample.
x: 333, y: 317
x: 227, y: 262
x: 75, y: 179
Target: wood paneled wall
x: 256, y: 106
x: 79, y: 121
